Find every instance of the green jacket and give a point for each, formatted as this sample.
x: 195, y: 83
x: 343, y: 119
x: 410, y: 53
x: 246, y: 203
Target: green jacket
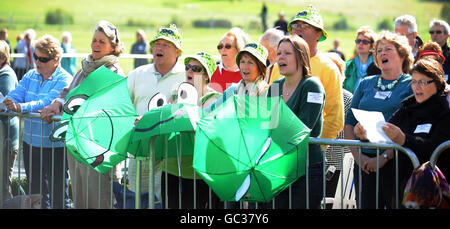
x: 351, y: 77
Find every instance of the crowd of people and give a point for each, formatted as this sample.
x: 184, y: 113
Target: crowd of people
x: 395, y: 73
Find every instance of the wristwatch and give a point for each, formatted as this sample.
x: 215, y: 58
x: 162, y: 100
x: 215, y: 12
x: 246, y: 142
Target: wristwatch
x: 385, y: 156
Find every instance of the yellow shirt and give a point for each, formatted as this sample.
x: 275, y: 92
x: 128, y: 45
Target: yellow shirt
x: 330, y: 76
x: 273, y: 73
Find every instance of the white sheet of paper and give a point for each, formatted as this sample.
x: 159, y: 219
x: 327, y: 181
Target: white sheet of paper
x: 2, y: 105
x: 372, y: 121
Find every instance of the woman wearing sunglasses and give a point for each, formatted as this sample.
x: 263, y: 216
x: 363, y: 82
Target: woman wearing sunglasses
x: 227, y: 71
x: 106, y: 48
x: 362, y: 64
x: 199, y: 69
x: 422, y: 121
x: 37, y: 89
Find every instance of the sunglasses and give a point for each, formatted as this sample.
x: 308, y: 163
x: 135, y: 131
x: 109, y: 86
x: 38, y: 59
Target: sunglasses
x: 366, y: 42
x: 437, y: 32
x: 221, y: 46
x: 195, y: 68
x: 42, y: 59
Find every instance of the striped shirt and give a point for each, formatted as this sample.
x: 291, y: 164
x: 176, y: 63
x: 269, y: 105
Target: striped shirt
x: 33, y: 94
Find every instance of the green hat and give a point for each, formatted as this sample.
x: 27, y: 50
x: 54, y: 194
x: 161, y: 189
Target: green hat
x: 312, y: 17
x: 256, y: 50
x: 170, y: 34
x: 206, y: 60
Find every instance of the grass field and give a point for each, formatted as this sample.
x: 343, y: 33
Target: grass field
x: 20, y: 15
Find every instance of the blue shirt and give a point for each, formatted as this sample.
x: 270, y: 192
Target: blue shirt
x: 33, y: 94
x: 367, y: 97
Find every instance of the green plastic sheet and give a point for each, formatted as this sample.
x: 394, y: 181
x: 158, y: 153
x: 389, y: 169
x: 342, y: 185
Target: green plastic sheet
x: 99, y: 128
x: 250, y: 148
x: 171, y: 125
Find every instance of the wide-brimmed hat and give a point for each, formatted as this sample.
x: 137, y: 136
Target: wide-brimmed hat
x: 312, y: 17
x: 206, y: 60
x: 256, y: 50
x: 170, y: 34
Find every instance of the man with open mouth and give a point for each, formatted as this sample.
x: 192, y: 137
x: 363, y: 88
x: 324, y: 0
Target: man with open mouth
x: 163, y: 76
x: 308, y: 24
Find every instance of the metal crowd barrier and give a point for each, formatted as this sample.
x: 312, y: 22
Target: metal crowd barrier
x: 150, y: 161
x: 22, y: 197
x: 437, y: 152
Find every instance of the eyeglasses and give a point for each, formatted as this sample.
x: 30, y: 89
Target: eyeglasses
x: 437, y: 32
x: 366, y: 42
x: 221, y: 46
x: 42, y: 59
x: 421, y: 83
x: 195, y: 68
x: 300, y: 25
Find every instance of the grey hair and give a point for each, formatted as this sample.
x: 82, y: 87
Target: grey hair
x: 4, y: 52
x: 68, y: 35
x: 408, y: 20
x: 31, y: 33
x: 441, y: 23
x: 273, y: 36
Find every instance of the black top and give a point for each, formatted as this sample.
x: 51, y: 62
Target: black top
x: 446, y: 64
x: 426, y: 125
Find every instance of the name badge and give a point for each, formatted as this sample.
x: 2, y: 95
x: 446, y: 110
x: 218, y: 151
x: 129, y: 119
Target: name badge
x: 314, y: 97
x: 423, y: 128
x: 382, y: 95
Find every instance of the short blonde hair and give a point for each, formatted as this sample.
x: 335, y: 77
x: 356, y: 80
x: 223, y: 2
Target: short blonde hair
x: 402, y: 46
x: 50, y: 46
x: 240, y: 37
x: 4, y: 52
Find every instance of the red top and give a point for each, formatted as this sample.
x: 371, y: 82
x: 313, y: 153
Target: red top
x: 222, y: 79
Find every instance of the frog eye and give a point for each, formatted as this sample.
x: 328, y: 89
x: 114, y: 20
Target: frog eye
x: 157, y: 101
x: 59, y: 132
x: 187, y: 93
x: 72, y: 105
